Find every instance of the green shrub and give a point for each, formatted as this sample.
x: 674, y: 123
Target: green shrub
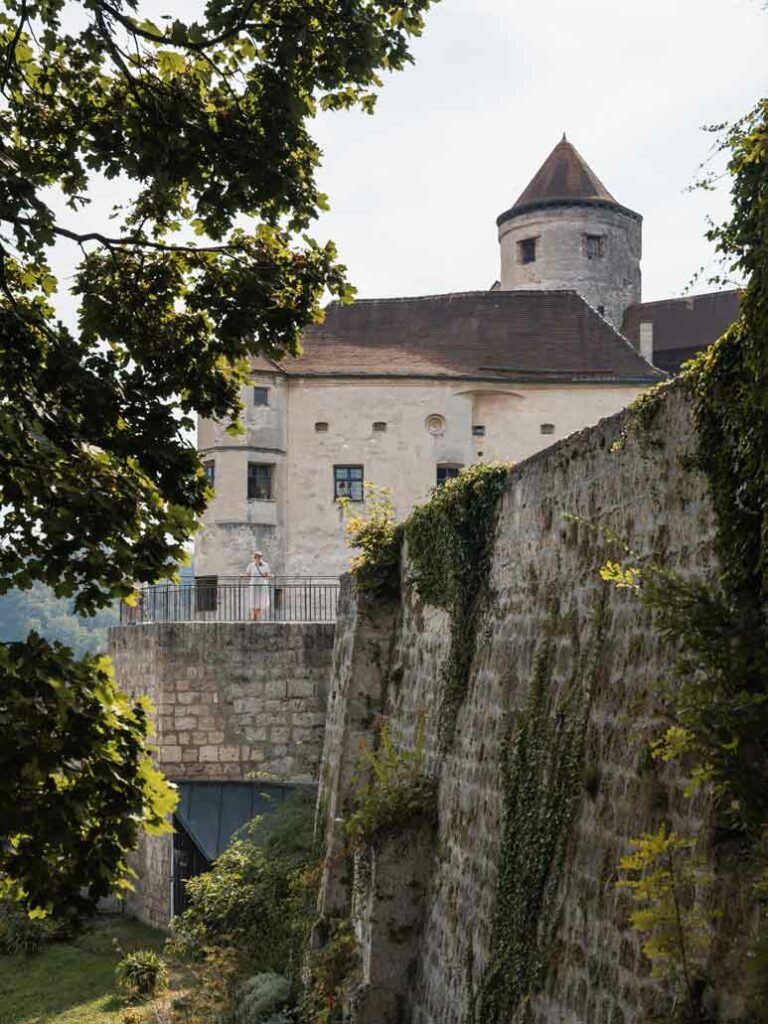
x: 260, y: 997
x: 19, y: 933
x: 257, y: 898
x: 141, y: 973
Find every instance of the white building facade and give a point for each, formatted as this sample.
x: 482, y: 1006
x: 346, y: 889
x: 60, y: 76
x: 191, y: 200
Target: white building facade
x: 404, y: 392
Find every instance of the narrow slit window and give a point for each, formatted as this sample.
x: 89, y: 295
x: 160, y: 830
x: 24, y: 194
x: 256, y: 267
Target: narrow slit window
x: 547, y: 428
x: 209, y: 468
x: 478, y: 430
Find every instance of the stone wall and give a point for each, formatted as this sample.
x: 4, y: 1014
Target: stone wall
x: 233, y: 700
x: 388, y: 663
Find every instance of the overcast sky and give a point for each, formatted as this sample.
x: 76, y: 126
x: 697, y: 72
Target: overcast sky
x: 415, y: 190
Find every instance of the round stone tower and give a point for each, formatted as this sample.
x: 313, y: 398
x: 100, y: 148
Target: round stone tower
x: 566, y: 231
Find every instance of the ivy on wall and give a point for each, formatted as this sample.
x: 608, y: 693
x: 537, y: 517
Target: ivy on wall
x: 543, y: 778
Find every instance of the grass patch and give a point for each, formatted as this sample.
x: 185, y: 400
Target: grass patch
x: 72, y: 982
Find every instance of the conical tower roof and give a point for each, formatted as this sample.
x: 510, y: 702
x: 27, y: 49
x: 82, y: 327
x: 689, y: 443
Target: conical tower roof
x: 565, y: 178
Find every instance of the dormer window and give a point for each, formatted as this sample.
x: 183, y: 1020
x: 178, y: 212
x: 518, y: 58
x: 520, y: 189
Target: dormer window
x: 526, y: 250
x: 593, y: 246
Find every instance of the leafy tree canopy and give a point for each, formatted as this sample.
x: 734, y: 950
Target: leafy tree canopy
x: 207, y: 265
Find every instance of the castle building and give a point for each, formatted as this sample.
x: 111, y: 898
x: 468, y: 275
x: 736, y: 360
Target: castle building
x: 405, y: 391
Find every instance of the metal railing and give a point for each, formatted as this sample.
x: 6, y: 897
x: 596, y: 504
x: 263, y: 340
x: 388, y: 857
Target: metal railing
x: 236, y: 599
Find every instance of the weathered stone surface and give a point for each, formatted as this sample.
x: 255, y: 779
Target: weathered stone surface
x: 210, y: 684
x: 388, y: 661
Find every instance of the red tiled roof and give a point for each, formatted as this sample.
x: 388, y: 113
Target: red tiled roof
x: 689, y: 323
x: 499, y: 335
x: 565, y: 177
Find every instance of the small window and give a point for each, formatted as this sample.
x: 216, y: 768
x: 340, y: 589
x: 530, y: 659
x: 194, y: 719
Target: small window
x: 547, y: 428
x: 379, y: 427
x: 348, y: 482
x: 321, y: 427
x: 526, y: 250
x: 206, y: 593
x: 259, y: 482
x: 478, y: 430
x: 601, y: 310
x: 446, y: 472
x: 209, y: 468
x: 593, y: 246
x: 261, y: 396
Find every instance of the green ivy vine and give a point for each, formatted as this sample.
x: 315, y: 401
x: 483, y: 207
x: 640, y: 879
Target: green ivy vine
x: 543, y: 778
x: 450, y: 542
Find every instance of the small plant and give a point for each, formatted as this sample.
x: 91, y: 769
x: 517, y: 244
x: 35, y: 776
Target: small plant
x: 396, y: 790
x: 374, y: 531
x: 21, y: 934
x: 666, y: 881
x: 331, y: 971
x: 260, y: 997
x: 141, y: 973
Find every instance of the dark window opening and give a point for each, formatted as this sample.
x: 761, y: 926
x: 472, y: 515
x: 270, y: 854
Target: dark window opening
x: 526, y: 250
x: 259, y: 482
x: 321, y: 427
x: 206, y: 592
x: 593, y: 246
x: 261, y: 396
x: 379, y: 427
x: 209, y: 468
x: 601, y: 310
x: 348, y: 482
x: 547, y: 428
x: 446, y: 472
x: 478, y: 430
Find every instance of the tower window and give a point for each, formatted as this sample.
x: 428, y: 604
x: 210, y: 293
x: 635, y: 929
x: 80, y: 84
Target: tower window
x: 547, y: 428
x: 446, y: 472
x: 526, y: 250
x: 379, y: 427
x: 260, y: 482
x: 321, y: 427
x: 261, y: 396
x: 348, y: 482
x: 478, y: 430
x: 209, y: 468
x: 593, y: 246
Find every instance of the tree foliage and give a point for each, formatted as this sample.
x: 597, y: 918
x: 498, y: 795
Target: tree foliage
x: 205, y: 266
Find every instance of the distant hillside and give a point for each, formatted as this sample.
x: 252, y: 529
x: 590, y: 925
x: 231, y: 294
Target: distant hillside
x: 22, y: 611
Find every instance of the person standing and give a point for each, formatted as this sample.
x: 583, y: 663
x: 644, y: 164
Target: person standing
x: 259, y: 576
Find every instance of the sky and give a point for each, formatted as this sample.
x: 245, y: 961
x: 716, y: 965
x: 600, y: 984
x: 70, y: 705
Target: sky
x: 415, y: 190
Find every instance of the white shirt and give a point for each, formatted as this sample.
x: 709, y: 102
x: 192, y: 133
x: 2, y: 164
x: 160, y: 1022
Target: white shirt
x: 258, y: 573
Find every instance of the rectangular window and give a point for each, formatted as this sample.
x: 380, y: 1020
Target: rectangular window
x: 478, y: 430
x: 206, y: 593
x: 592, y: 246
x: 209, y: 468
x: 446, y: 473
x: 261, y: 396
x: 260, y: 482
x: 526, y: 250
x: 348, y: 482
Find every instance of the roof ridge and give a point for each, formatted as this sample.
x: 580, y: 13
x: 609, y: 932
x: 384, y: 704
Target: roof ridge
x: 455, y: 295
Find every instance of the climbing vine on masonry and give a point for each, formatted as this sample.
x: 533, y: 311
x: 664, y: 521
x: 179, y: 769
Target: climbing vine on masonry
x: 542, y: 778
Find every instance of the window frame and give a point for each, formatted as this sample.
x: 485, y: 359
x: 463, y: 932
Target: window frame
x: 589, y: 242
x: 209, y: 468
x: 450, y: 471
x: 528, y: 249
x: 270, y: 467
x: 262, y: 388
x: 337, y: 480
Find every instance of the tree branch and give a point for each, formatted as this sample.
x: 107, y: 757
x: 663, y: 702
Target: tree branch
x: 199, y: 47
x: 12, y: 46
x: 131, y: 240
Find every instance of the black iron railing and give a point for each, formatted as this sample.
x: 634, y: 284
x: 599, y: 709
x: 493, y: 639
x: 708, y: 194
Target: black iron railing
x: 236, y: 599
